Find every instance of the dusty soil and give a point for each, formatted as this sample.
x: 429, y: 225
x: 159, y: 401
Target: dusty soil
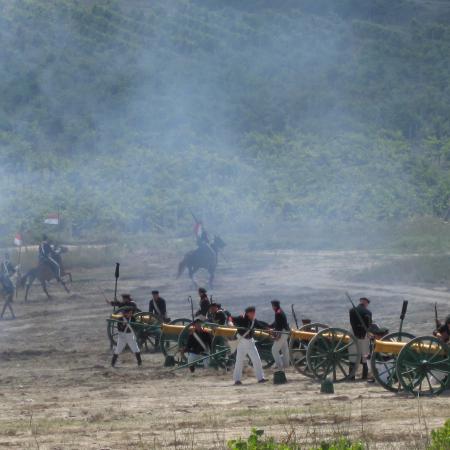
x: 57, y: 390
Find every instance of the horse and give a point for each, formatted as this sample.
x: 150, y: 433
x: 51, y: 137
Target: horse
x: 44, y: 273
x: 203, y: 257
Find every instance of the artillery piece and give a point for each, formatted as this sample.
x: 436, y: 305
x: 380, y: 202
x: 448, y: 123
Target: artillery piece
x: 400, y: 361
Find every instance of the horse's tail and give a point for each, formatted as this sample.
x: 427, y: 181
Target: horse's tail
x: 181, y: 267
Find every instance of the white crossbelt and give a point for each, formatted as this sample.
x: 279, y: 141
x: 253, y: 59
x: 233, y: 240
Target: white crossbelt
x: 250, y: 329
x: 198, y: 339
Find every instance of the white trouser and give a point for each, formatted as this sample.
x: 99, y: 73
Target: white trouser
x: 124, y: 339
x: 363, y: 346
x: 280, y: 352
x: 247, y: 347
x: 192, y: 357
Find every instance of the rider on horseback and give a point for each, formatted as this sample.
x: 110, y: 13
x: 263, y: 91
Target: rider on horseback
x: 47, y: 256
x: 201, y: 235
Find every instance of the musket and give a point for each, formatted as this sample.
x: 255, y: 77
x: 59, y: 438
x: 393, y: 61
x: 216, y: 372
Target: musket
x: 436, y: 317
x: 116, y: 275
x: 402, y: 317
x: 294, y: 315
x: 192, y: 307
x: 194, y: 217
x: 357, y: 312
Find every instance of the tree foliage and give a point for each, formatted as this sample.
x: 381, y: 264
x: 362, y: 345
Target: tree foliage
x: 127, y: 115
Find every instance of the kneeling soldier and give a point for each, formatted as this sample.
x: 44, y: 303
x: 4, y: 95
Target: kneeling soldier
x: 280, y: 348
x: 126, y: 337
x: 246, y: 325
x: 198, y: 345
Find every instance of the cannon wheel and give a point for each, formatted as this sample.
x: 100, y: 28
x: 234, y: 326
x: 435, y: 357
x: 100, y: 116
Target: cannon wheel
x: 169, y: 343
x: 264, y: 347
x: 423, y: 366
x: 148, y: 339
x: 298, y: 348
x: 333, y: 351
x: 225, y: 360
x: 384, y: 365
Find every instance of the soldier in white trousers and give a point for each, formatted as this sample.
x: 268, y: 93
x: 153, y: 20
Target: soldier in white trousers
x: 126, y: 337
x: 280, y: 327
x: 246, y: 325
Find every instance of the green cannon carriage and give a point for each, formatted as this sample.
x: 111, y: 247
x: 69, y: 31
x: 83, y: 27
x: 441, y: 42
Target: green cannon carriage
x: 400, y: 361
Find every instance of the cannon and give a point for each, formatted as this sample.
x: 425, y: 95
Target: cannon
x: 174, y: 338
x: 147, y: 328
x: 399, y: 361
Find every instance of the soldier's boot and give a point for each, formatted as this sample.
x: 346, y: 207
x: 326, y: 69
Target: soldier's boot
x: 138, y: 359
x: 192, y: 368
x: 351, y: 367
x: 365, y: 371
x: 114, y: 360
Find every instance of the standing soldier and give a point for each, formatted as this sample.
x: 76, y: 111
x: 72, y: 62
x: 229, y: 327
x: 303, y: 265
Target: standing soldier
x: 360, y: 321
x: 46, y: 257
x: 217, y: 314
x: 6, y: 271
x: 157, y: 306
x: 126, y: 337
x: 246, y: 325
x: 198, y: 345
x: 127, y: 302
x: 443, y: 332
x: 204, y: 304
x: 280, y: 348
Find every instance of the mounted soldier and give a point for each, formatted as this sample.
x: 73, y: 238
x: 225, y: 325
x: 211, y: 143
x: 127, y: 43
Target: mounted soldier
x: 48, y: 256
x: 200, y: 233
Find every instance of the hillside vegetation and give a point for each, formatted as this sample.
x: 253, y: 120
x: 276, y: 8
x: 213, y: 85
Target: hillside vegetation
x: 127, y: 115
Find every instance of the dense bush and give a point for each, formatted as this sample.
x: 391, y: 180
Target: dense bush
x: 126, y: 115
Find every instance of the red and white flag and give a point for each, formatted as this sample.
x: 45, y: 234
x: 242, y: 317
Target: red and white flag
x: 52, y: 219
x: 18, y: 240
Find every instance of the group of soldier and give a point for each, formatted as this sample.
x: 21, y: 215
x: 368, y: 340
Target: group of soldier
x: 199, y: 342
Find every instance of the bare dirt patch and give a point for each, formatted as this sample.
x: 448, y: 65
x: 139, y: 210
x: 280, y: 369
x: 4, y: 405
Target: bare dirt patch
x: 57, y: 390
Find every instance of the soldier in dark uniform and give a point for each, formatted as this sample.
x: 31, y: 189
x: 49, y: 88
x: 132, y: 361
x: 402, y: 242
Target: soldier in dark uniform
x: 360, y: 321
x: 280, y: 348
x: 443, y: 332
x: 157, y: 306
x: 217, y: 314
x: 126, y: 336
x: 202, y: 313
x: 198, y: 345
x: 127, y: 302
x: 7, y: 270
x: 246, y: 325
x: 46, y: 256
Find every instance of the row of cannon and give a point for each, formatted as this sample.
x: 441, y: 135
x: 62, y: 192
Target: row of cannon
x: 399, y: 361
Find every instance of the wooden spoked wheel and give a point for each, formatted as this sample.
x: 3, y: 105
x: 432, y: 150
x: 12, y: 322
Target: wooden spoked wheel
x: 169, y: 342
x: 423, y: 366
x: 298, y: 348
x: 384, y: 365
x: 333, y: 352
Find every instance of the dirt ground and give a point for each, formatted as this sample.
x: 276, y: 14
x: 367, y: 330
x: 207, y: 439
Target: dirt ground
x: 57, y: 390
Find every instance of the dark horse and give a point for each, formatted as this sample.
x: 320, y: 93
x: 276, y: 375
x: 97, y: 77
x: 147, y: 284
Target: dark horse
x: 44, y: 273
x: 203, y: 257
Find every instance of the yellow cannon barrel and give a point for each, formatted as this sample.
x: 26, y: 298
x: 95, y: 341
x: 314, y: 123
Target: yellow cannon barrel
x: 396, y: 347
